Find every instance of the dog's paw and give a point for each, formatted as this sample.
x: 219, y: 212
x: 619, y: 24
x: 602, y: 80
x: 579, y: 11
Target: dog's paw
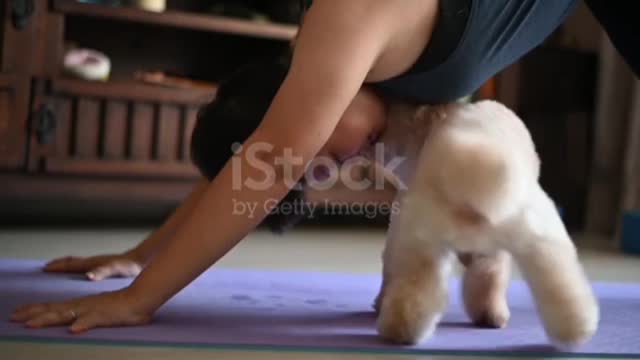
x: 573, y: 328
x: 493, y: 314
x: 404, y: 329
x: 570, y: 319
x: 408, y: 320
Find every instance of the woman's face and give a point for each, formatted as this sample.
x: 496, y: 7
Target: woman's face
x: 360, y: 127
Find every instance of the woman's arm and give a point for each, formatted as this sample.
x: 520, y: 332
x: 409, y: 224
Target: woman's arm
x: 144, y: 251
x: 333, y: 56
x: 338, y: 46
x: 132, y: 261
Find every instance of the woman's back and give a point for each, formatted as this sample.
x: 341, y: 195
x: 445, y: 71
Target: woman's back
x: 468, y: 43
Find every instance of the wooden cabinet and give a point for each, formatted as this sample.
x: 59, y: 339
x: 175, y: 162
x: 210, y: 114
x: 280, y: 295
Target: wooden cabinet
x: 16, y: 52
x: 7, y: 98
x: 123, y: 127
x: 65, y: 140
x: 118, y: 129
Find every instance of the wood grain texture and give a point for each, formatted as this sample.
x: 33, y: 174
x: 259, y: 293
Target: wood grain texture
x: 16, y: 63
x: 5, y: 115
x: 49, y: 41
x: 132, y: 91
x: 63, y: 113
x: 4, y: 9
x: 122, y: 168
x: 631, y: 183
x: 179, y: 19
x: 168, y: 134
x: 87, y: 128
x: 115, y: 131
x: 141, y: 138
x: 92, y: 189
x: 7, y: 80
x: 611, y: 126
x: 190, y: 122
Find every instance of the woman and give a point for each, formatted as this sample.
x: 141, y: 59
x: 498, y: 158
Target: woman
x: 349, y: 55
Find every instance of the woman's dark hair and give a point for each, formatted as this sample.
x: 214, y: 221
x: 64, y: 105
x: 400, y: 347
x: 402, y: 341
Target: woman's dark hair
x: 237, y: 110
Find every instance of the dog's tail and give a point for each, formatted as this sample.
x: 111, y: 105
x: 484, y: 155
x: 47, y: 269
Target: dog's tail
x: 479, y: 178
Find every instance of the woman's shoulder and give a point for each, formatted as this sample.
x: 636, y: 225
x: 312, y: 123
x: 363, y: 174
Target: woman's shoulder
x: 389, y: 13
x: 399, y: 29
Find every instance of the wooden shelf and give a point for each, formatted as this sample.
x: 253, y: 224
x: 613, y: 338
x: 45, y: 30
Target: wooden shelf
x: 69, y: 188
x: 132, y: 91
x: 124, y: 168
x: 179, y: 19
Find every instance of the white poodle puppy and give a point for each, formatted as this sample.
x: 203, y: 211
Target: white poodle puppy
x: 472, y: 189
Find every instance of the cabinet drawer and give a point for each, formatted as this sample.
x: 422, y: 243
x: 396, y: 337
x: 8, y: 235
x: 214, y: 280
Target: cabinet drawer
x: 101, y: 132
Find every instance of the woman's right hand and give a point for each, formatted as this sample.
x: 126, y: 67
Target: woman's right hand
x: 109, y: 309
x: 98, y: 268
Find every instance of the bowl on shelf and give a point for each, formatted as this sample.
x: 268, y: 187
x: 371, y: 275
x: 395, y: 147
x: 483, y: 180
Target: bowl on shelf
x: 150, y: 5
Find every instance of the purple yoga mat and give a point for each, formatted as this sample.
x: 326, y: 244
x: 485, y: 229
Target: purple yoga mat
x: 306, y: 311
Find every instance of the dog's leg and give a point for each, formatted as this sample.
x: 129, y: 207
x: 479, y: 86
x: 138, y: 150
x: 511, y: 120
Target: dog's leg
x: 391, y: 235
x: 550, y: 264
x: 385, y: 280
x: 484, y: 288
x: 415, y: 294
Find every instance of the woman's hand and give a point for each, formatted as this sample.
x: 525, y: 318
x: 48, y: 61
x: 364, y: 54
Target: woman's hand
x: 98, y: 268
x: 110, y: 309
x: 130, y: 263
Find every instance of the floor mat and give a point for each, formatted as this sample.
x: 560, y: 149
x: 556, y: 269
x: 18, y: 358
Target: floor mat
x: 312, y: 311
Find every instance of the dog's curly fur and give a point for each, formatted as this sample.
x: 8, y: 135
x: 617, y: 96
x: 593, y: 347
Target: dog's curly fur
x: 472, y: 188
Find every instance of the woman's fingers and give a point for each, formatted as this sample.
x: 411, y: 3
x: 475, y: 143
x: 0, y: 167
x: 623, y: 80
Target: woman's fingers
x: 98, y: 267
x: 122, y: 268
x: 52, y: 318
x: 95, y: 319
x: 58, y: 264
x: 102, y: 272
x: 70, y: 264
x: 41, y: 316
x: 82, y: 314
x: 28, y: 312
x: 87, y: 322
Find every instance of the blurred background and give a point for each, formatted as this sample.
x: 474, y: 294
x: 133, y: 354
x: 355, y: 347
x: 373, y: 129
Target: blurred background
x: 98, y: 98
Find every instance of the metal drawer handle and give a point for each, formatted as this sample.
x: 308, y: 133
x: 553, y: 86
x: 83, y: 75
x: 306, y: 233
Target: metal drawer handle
x: 21, y: 12
x: 44, y: 125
